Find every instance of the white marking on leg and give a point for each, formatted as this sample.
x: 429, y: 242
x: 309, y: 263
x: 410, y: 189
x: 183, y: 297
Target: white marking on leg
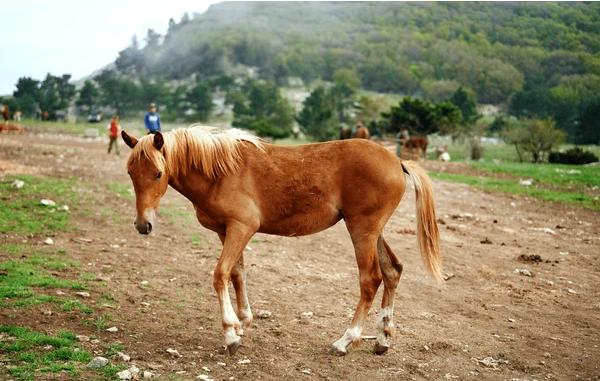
x: 385, y: 320
x: 351, y: 335
x: 230, y: 319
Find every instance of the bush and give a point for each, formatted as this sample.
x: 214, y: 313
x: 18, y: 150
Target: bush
x: 573, y: 156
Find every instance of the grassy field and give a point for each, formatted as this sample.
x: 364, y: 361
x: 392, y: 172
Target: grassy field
x: 32, y: 277
x: 499, y: 170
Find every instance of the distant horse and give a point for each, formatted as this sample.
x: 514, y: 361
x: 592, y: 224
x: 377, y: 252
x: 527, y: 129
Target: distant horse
x: 360, y: 133
x: 418, y: 143
x: 240, y: 185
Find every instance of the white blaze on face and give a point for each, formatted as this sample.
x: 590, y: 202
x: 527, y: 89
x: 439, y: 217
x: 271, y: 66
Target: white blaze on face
x: 351, y: 335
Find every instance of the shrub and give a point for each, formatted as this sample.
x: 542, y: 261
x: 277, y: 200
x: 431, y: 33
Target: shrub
x: 573, y: 156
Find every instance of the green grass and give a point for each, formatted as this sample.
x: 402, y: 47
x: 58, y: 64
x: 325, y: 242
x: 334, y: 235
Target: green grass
x: 513, y: 186
x: 555, y: 174
x: 121, y: 189
x: 27, y: 353
x: 22, y: 212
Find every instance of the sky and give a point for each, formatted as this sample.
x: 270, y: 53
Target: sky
x: 76, y: 37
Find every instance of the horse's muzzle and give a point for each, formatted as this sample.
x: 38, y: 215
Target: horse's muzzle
x: 144, y: 227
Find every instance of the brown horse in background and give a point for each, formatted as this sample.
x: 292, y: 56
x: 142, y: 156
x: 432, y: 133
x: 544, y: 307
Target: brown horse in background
x: 418, y: 143
x: 360, y: 133
x: 240, y: 185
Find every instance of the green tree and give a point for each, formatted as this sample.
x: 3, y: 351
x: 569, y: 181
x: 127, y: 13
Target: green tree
x: 259, y: 106
x: 588, y: 126
x: 122, y: 94
x: 422, y: 117
x: 200, y: 99
x: 536, y: 137
x: 317, y: 118
x: 88, y: 95
x: 465, y: 101
x: 27, y: 94
x: 55, y: 93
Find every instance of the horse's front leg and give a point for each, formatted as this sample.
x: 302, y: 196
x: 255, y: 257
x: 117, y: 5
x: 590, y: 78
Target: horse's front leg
x: 236, y: 238
x: 238, y: 278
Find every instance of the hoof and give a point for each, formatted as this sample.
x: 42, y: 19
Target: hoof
x: 379, y: 349
x: 339, y: 351
x: 233, y: 347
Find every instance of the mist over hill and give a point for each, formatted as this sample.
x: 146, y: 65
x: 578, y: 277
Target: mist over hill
x: 499, y: 50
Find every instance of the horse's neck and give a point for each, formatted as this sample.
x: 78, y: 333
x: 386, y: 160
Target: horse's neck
x: 193, y: 185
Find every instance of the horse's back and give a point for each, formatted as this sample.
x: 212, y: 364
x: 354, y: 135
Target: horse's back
x: 307, y: 188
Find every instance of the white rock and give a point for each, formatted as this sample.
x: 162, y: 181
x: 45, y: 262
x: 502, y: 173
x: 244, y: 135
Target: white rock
x: 123, y: 356
x: 206, y: 369
x: 112, y: 329
x: 523, y: 272
x: 306, y: 371
x: 144, y: 282
x: 83, y: 294
x: 511, y: 320
x: 97, y: 362
x: 221, y: 363
x: 173, y: 352
x: 49, y: 241
x: 59, y: 292
x: 571, y: 291
x: 47, y: 202
x: 244, y: 361
x: 526, y: 182
x: 125, y: 375
x: 147, y: 374
x: 82, y: 338
x: 18, y: 184
x: 263, y: 314
x: 64, y: 208
x: 306, y: 315
x: 204, y: 377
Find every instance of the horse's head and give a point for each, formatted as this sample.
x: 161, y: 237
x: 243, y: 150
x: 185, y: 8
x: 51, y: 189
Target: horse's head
x: 146, y: 167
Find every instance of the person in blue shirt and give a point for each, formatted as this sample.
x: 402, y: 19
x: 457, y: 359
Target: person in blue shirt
x: 152, y: 120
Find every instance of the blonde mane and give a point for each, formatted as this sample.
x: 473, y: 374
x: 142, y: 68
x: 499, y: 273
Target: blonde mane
x: 215, y: 152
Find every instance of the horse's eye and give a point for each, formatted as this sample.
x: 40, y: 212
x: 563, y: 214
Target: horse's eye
x: 159, y: 175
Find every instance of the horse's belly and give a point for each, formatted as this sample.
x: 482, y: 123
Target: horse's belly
x: 303, y: 223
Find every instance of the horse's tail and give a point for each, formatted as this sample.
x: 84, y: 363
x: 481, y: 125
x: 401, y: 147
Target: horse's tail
x: 428, y: 235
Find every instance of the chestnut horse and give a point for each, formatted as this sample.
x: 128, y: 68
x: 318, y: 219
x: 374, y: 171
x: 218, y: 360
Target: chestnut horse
x: 240, y: 185
x: 360, y: 133
x: 418, y: 143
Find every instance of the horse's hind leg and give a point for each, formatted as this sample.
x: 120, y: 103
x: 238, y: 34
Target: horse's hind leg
x: 391, y: 270
x: 365, y: 246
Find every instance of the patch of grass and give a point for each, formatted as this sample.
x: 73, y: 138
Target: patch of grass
x: 27, y: 352
x: 513, y: 186
x: 101, y: 322
x: 123, y: 190
x: 13, y: 248
x: 555, y: 174
x: 112, y: 350
x: 72, y: 304
x: 21, y: 279
x: 196, y: 240
x: 21, y: 211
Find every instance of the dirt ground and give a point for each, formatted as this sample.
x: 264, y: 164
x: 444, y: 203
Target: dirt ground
x: 540, y: 327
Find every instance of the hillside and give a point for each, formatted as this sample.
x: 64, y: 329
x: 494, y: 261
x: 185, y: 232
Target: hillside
x: 496, y: 49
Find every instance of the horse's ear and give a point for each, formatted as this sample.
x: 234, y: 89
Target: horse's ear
x: 158, y: 140
x: 130, y: 140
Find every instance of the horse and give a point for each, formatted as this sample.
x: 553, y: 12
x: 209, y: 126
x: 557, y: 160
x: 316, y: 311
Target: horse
x: 240, y: 185
x: 360, y: 133
x: 418, y: 143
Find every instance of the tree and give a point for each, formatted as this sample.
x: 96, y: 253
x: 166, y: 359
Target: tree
x: 317, y: 116
x: 259, y: 106
x: 200, y: 100
x: 119, y: 93
x: 536, y: 137
x: 346, y: 81
x: 88, y: 95
x: 55, y: 93
x: 465, y: 101
x: 130, y: 59
x: 27, y: 94
x: 422, y: 117
x: 588, y: 127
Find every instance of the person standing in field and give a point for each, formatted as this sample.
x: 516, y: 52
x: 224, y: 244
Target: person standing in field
x: 114, y: 129
x: 152, y: 120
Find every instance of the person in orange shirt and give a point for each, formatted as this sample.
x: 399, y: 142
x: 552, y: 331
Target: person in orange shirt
x: 114, y: 129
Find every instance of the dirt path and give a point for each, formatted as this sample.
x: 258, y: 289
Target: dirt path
x: 542, y: 327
